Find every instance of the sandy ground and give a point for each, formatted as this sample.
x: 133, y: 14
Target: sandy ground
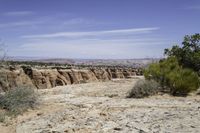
x: 102, y: 107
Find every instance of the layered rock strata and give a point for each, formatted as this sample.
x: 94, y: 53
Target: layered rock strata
x: 44, y: 78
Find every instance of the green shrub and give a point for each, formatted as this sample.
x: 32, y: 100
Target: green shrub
x: 183, y: 81
x: 159, y: 71
x: 170, y: 74
x: 16, y: 101
x: 144, y: 88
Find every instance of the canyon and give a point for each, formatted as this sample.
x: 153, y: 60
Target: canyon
x: 49, y: 77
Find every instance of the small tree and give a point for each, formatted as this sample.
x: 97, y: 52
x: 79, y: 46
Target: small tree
x: 178, y: 71
x: 189, y: 54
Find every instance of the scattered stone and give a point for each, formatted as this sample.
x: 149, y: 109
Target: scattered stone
x: 39, y: 114
x: 86, y: 109
x: 118, y: 128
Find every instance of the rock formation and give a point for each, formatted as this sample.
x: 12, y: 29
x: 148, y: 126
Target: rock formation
x: 42, y: 78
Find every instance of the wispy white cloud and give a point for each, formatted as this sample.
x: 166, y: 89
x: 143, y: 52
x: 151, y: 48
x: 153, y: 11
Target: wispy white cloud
x: 19, y: 23
x: 18, y: 13
x: 55, y: 21
x: 103, y: 45
x: 75, y: 21
x: 93, y: 48
x: 94, y: 33
x: 82, y: 22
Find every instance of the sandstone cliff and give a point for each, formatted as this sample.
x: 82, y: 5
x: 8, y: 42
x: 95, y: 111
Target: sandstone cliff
x: 42, y: 78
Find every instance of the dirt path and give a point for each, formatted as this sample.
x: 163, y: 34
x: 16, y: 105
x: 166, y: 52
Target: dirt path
x: 102, y: 107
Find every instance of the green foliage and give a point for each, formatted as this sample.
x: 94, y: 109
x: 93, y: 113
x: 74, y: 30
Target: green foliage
x: 144, y: 88
x: 16, y: 101
x: 170, y: 74
x: 177, y: 71
x: 159, y: 71
x: 183, y: 81
x: 189, y: 54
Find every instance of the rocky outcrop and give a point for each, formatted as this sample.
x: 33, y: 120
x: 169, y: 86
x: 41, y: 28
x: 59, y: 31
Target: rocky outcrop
x: 12, y: 79
x: 42, y: 78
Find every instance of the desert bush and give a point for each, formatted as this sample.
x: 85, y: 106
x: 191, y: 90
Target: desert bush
x: 159, y: 71
x: 170, y: 74
x: 144, y: 88
x: 183, y: 81
x: 16, y: 101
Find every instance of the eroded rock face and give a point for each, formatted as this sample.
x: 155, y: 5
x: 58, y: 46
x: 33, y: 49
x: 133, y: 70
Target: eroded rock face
x: 48, y: 78
x: 14, y: 78
x: 102, y: 74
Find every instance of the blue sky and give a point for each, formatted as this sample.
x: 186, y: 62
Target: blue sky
x: 108, y: 29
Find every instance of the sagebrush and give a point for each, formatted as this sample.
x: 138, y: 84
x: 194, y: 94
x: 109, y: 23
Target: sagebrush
x: 18, y: 100
x: 144, y: 88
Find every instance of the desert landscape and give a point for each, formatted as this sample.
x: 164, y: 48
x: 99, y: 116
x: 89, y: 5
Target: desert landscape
x: 99, y: 66
x: 105, y: 108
